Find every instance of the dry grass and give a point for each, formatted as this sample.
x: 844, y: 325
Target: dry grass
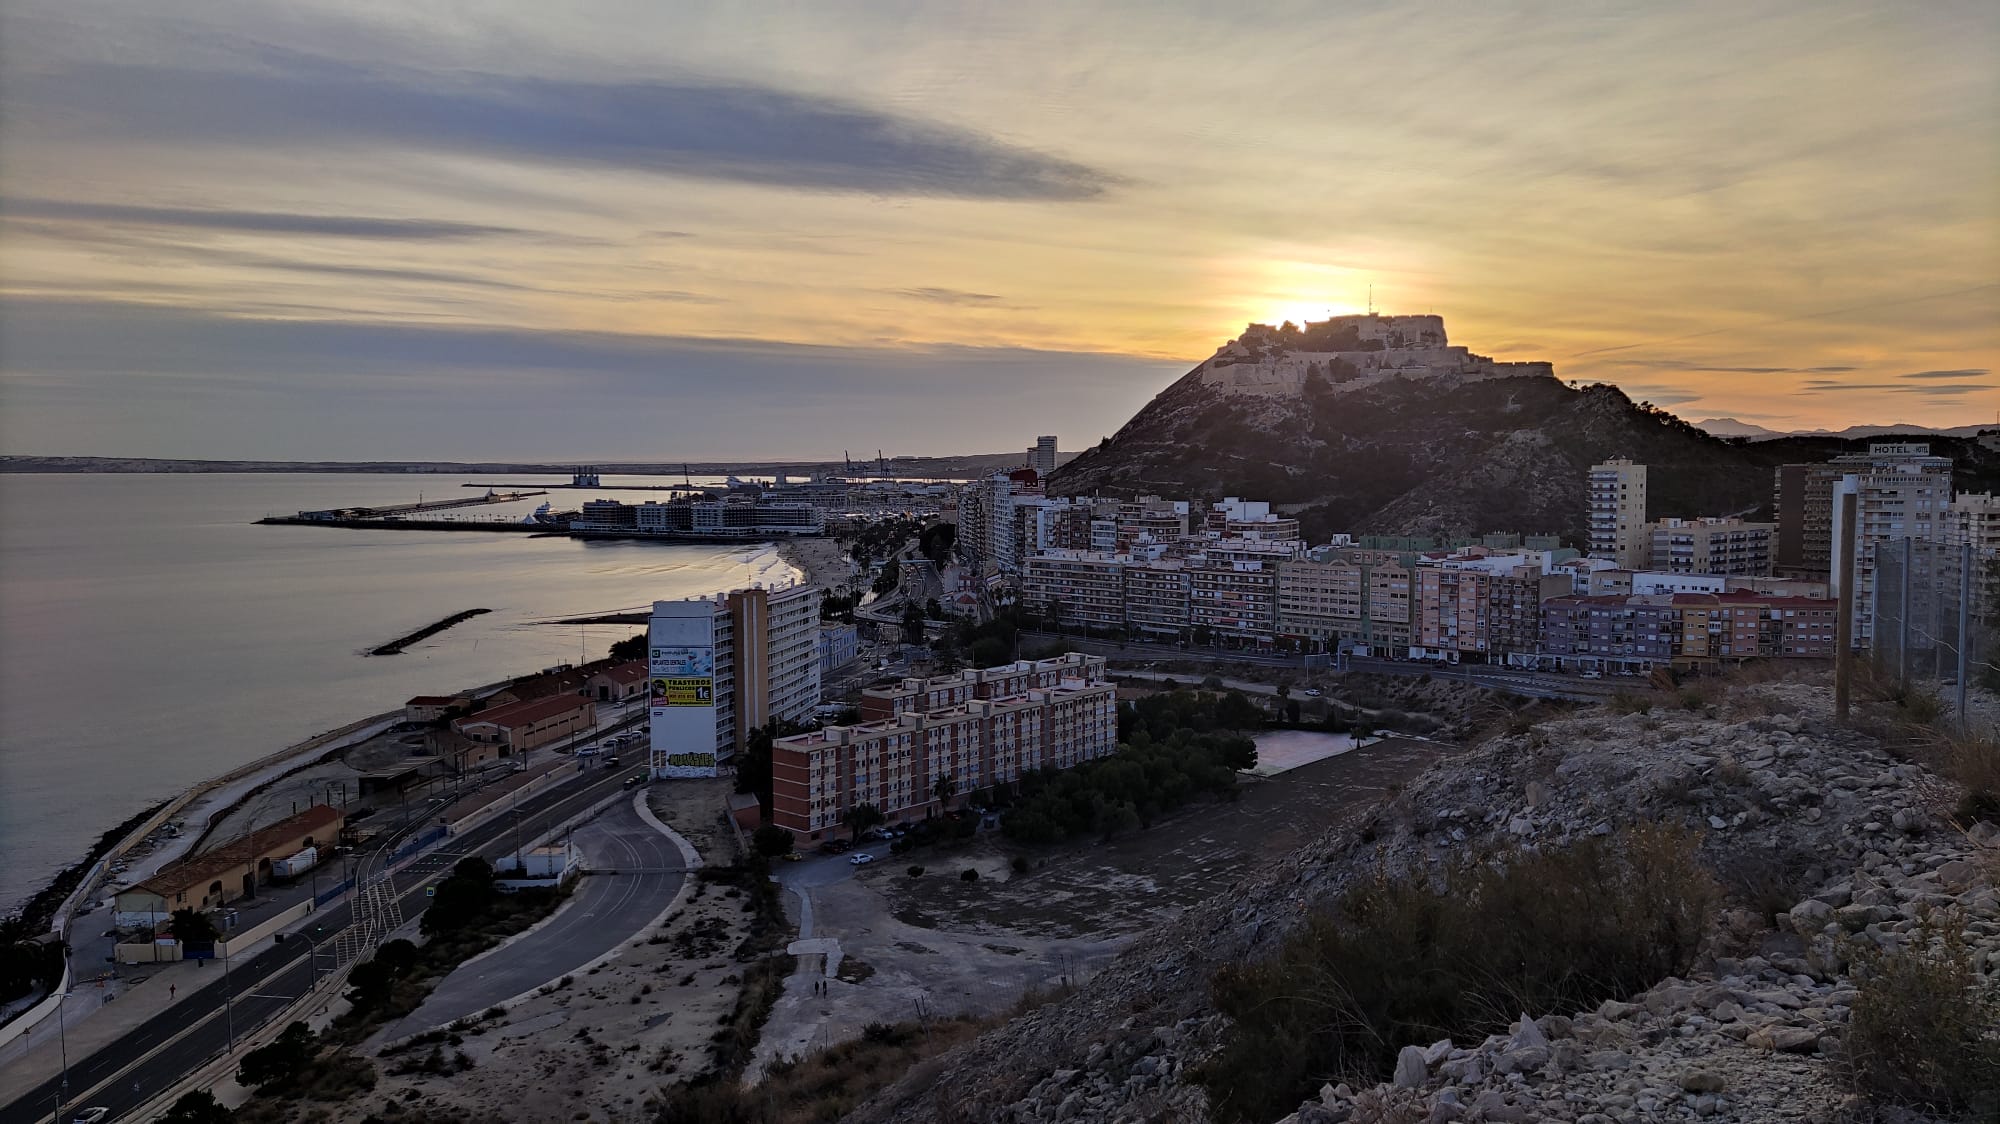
x: 824, y: 1086
x: 1925, y: 1032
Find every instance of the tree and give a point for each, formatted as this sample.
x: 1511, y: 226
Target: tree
x: 280, y: 1060
x: 1202, y: 636
x: 861, y: 817
x: 197, y: 1107
x: 1054, y: 612
x: 630, y: 648
x: 461, y: 899
x: 771, y: 841
x: 913, y: 624
x: 191, y: 927
x: 936, y: 542
x: 946, y: 788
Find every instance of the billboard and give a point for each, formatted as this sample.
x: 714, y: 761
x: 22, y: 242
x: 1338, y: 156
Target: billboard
x: 683, y: 690
x: 680, y: 664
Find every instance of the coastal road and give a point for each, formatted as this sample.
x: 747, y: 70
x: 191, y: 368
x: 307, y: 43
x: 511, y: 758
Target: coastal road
x: 632, y: 872
x: 160, y: 1052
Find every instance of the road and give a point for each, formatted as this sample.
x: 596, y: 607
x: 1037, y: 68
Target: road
x: 634, y: 871
x: 268, y: 983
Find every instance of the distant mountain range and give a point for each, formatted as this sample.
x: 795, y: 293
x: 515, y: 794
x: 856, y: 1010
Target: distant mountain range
x: 1730, y: 427
x: 1375, y: 425
x: 969, y: 464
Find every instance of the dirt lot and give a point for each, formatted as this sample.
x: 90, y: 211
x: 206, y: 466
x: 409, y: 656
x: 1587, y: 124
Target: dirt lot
x: 939, y: 944
x: 597, y: 1047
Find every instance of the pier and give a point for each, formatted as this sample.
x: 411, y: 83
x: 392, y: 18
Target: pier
x: 395, y: 647
x: 402, y: 510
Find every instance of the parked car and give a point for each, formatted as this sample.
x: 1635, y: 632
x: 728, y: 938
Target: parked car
x: 90, y: 1115
x: 860, y: 858
x: 836, y: 846
x: 794, y: 856
x: 1312, y: 692
x: 611, y: 761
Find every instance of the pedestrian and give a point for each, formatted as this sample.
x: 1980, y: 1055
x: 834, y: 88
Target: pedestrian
x: 171, y: 989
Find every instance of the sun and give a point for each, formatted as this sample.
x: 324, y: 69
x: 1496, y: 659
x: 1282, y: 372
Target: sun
x: 1302, y: 310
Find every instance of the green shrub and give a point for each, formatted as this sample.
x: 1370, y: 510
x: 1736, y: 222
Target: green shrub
x: 916, y: 872
x: 1398, y: 962
x: 1925, y: 1030
x: 968, y: 875
x: 1021, y: 864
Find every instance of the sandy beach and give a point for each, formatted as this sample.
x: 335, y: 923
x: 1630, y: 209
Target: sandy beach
x: 823, y: 561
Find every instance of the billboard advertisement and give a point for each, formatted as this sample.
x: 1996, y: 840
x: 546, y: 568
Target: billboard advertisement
x: 680, y: 662
x: 683, y: 690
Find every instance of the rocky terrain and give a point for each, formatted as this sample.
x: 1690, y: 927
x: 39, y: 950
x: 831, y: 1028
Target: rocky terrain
x: 1830, y: 848
x: 1430, y: 440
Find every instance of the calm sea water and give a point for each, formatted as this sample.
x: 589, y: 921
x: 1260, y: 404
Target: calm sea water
x: 151, y: 636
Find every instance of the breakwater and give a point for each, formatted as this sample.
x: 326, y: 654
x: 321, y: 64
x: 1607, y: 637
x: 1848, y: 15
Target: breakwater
x: 395, y: 647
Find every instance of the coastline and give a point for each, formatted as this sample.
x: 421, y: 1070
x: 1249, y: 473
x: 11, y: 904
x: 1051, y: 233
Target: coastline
x: 821, y: 560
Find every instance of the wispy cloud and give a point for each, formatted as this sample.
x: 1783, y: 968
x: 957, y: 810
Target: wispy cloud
x: 946, y: 296
x: 1663, y: 364
x: 251, y: 222
x: 738, y: 132
x: 1966, y: 373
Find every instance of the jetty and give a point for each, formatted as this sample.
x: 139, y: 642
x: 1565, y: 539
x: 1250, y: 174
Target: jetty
x: 395, y: 647
x: 405, y: 510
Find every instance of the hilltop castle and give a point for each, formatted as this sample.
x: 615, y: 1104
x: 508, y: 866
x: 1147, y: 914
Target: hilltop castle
x: 1269, y: 362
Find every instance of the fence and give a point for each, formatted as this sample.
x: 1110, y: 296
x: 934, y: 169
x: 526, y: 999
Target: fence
x: 1933, y: 623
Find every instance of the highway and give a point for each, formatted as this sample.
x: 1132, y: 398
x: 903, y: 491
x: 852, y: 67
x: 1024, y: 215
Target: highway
x: 128, y: 1072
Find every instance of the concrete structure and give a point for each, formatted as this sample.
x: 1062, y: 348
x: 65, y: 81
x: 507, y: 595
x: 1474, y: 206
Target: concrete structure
x: 920, y: 759
x: 1234, y: 518
x: 1710, y: 546
x: 994, y: 522
x: 1901, y: 491
x: 1083, y: 589
x: 515, y: 729
x: 1617, y: 513
x: 721, y: 667
x: 1158, y: 599
x: 1364, y: 604
x: 1636, y: 633
x: 1233, y: 588
x: 1488, y: 608
x: 229, y: 871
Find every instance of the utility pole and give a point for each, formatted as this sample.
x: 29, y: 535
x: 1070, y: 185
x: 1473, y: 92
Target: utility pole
x: 1843, y: 633
x: 1903, y: 615
x: 1964, y: 633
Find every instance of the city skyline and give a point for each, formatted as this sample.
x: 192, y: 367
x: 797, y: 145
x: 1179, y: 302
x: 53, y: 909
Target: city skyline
x: 364, y: 231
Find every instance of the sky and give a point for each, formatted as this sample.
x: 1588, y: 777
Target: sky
x: 634, y: 230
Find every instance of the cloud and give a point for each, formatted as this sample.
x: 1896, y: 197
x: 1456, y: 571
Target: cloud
x: 1812, y: 386
x: 253, y: 222
x: 1698, y: 365
x: 946, y: 296
x: 734, y: 132
x: 1949, y: 390
x: 1966, y: 373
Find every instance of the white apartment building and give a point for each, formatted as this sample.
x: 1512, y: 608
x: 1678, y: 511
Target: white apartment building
x: 720, y: 667
x: 1042, y: 456
x: 1617, y: 514
x: 1974, y: 518
x: 1076, y: 587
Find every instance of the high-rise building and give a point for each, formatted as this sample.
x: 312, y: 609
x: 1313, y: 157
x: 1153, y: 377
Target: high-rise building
x: 1077, y: 588
x: 1901, y: 492
x: 1617, y: 515
x: 1974, y: 518
x: 1710, y: 546
x: 721, y: 667
x: 1802, y: 498
x: 1042, y: 456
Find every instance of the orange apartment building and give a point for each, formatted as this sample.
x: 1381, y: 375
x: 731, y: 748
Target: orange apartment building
x: 978, y: 730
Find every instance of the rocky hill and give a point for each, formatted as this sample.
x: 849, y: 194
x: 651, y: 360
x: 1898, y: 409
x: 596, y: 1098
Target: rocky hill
x: 1830, y: 850
x: 1374, y: 425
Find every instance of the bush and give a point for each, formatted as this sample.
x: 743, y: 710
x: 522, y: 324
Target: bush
x: 1625, y: 702
x: 281, y: 1060
x: 916, y: 872
x: 771, y: 840
x: 968, y: 875
x: 1923, y: 1030
x: 1021, y: 864
x: 1397, y: 962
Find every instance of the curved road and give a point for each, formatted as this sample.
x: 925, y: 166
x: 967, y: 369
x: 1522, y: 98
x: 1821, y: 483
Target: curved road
x: 632, y: 872
x: 163, y: 1050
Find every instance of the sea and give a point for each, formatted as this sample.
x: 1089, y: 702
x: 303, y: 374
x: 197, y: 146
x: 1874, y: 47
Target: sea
x: 153, y: 636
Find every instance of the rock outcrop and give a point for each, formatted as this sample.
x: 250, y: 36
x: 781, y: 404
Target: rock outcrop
x: 1831, y: 845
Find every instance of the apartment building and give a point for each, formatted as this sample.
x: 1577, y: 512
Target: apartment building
x: 1613, y: 632
x: 1638, y: 632
x: 721, y: 667
x: 1617, y: 513
x: 913, y: 696
x: 1080, y: 588
x: 1710, y: 546
x: 1974, y: 520
x: 1234, y: 518
x: 1148, y: 519
x: 1802, y: 498
x: 995, y: 524
x: 914, y: 762
x: 1042, y: 456
x: 1901, y: 492
x: 1233, y: 587
x: 1486, y: 607
x: 1158, y: 602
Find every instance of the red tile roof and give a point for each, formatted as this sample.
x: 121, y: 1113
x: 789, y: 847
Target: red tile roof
x: 522, y: 713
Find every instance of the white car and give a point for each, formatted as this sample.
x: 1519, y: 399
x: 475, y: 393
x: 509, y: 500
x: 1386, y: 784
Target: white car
x: 860, y: 858
x: 90, y: 1115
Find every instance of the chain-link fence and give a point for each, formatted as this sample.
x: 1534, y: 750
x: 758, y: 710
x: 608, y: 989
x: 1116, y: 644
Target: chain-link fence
x: 1935, y: 625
